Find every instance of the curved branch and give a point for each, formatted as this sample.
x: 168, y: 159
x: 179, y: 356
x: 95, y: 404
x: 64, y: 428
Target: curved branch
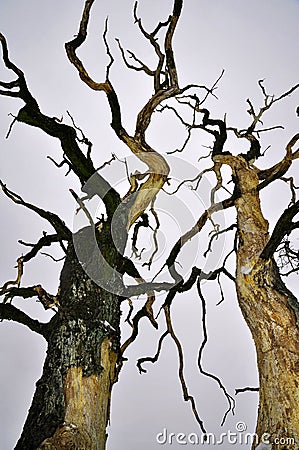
x: 44, y: 241
x: 279, y: 169
x: 47, y: 300
x: 230, y: 400
x: 187, y: 397
x: 282, y: 228
x: 80, y: 164
x: 215, y: 236
x: 23, y: 92
x: 154, y: 42
x: 170, y: 61
x: 220, y: 136
x: 158, y: 167
x: 143, y: 67
x: 192, y: 232
x: 154, y: 358
x: 106, y: 86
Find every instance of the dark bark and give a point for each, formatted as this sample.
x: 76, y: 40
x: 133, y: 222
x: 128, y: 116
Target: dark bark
x: 87, y: 315
x: 282, y: 228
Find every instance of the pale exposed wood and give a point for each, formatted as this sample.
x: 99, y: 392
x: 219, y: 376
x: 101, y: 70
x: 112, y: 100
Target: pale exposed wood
x: 87, y: 401
x: 265, y: 306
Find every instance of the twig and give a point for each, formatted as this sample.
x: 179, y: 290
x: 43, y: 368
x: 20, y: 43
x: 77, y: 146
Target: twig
x: 246, y: 389
x: 154, y: 358
x: 187, y: 397
x: 229, y: 398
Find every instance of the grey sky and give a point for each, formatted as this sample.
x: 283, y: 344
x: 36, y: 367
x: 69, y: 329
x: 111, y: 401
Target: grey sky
x: 250, y: 40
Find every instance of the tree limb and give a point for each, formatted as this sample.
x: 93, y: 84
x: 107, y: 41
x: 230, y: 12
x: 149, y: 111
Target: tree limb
x: 278, y: 170
x: 230, y: 400
x: 246, y: 389
x: 10, y: 312
x: 58, y: 225
x: 44, y: 241
x: 187, y: 397
x: 80, y: 164
x: 283, y: 227
x: 48, y: 301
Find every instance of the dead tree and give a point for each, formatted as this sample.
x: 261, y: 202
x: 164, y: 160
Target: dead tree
x: 71, y: 405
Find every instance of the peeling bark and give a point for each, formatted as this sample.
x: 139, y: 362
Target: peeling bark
x: 70, y: 408
x: 71, y: 405
x: 266, y: 307
x: 87, y: 406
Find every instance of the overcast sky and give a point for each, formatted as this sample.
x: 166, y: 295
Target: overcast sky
x: 251, y: 41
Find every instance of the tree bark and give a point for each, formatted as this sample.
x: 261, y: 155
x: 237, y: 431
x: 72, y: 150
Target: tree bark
x: 266, y: 305
x: 71, y: 405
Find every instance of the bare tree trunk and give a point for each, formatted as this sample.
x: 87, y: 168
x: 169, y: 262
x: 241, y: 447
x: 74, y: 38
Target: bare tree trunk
x: 70, y: 408
x: 267, y: 308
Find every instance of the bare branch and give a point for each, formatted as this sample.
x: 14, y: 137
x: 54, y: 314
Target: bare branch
x: 269, y: 100
x: 288, y: 256
x: 158, y: 168
x: 48, y: 301
x: 136, y: 290
x: 152, y: 359
x: 220, y: 135
x: 149, y: 263
x: 17, y: 281
x: 10, y: 127
x: 23, y: 92
x: 154, y: 42
x: 109, y: 65
x: 107, y: 163
x: 143, y: 67
x: 45, y: 241
x: 10, y: 312
x: 143, y: 222
x: 53, y: 219
x: 83, y: 138
x: 187, y: 397
x: 275, y: 127
x: 293, y: 188
x: 215, y: 236
x: 192, y: 232
x: 283, y: 227
x: 287, y: 93
x: 52, y: 257
x: 83, y: 207
x: 198, y: 178
x: 229, y: 398
x: 246, y: 389
x: 106, y: 86
x: 278, y: 170
x: 145, y: 311
x: 255, y: 148
x: 59, y: 165
x: 32, y: 115
x: 170, y: 61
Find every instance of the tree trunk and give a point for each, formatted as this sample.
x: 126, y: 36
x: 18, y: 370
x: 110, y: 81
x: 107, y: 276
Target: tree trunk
x: 267, y: 308
x: 70, y: 408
